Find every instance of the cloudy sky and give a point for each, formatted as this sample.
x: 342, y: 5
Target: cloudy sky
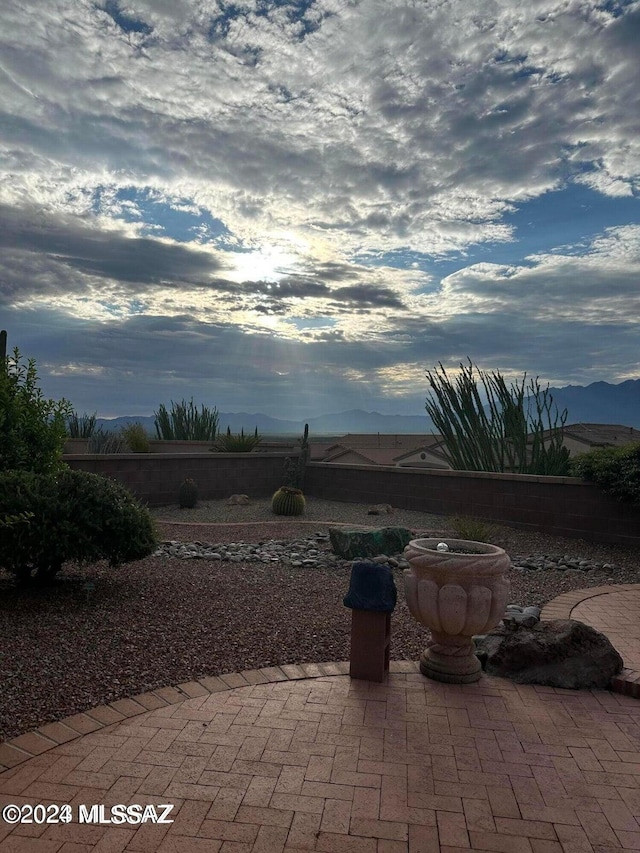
x: 299, y: 206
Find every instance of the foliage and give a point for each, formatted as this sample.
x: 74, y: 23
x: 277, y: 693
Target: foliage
x: 615, y: 469
x: 80, y: 426
x: 32, y: 428
x: 105, y: 441
x: 474, y: 529
x: 239, y: 443
x: 136, y: 438
x: 185, y: 423
x: 288, y: 501
x: 74, y: 516
x: 19, y: 518
x: 514, y: 435
x: 294, y: 470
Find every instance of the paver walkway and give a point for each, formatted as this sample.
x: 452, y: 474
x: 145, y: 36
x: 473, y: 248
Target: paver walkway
x: 299, y: 758
x: 273, y: 760
x: 614, y: 610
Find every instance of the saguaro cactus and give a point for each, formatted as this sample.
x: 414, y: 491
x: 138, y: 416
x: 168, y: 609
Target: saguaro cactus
x: 294, y: 470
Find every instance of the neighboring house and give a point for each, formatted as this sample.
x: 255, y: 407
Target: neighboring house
x: 424, y: 457
x: 581, y: 438
x: 362, y: 456
x: 383, y: 449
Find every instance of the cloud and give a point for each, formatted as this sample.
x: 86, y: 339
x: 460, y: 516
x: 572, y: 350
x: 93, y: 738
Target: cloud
x: 320, y: 143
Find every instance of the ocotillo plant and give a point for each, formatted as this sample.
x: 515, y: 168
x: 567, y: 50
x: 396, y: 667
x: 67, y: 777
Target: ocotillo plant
x: 81, y: 426
x: 511, y: 436
x: 186, y: 423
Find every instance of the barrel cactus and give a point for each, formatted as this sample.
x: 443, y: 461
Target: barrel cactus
x: 188, y: 494
x: 288, y: 501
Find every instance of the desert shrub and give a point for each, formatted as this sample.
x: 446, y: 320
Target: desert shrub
x: 239, y: 443
x: 185, y: 423
x: 74, y: 516
x: 32, y: 428
x: 615, y: 469
x: 80, y: 426
x: 104, y: 441
x: 475, y: 529
x: 136, y: 438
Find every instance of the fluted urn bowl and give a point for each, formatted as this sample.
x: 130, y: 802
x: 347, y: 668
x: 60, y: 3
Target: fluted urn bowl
x: 455, y: 594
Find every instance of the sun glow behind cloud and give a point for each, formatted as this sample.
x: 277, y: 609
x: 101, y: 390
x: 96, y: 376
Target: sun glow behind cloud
x: 358, y: 188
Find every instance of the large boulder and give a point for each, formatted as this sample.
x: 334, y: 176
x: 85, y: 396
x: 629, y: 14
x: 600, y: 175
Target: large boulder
x: 351, y: 544
x: 559, y: 653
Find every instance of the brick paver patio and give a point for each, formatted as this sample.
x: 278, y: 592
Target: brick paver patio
x: 299, y: 758
x: 614, y: 610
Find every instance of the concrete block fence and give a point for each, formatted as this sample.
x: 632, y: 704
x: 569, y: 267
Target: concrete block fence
x: 155, y: 478
x: 558, y: 505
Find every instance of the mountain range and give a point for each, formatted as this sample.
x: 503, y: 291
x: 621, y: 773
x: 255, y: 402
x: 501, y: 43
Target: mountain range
x: 600, y: 402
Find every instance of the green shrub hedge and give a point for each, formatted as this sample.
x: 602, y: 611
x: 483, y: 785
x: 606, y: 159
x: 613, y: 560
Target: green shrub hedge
x: 615, y: 469
x: 71, y: 516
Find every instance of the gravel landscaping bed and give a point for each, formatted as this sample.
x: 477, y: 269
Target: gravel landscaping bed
x: 165, y: 620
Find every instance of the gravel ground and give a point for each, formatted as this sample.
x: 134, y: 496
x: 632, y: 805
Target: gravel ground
x: 164, y: 621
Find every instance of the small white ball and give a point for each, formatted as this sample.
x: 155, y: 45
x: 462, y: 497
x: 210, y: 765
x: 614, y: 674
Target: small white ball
x: 442, y: 546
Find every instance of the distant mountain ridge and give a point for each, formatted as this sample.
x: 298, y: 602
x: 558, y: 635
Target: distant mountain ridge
x: 599, y: 402
x: 338, y: 423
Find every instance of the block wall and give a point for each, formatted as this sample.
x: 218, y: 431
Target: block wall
x: 559, y: 505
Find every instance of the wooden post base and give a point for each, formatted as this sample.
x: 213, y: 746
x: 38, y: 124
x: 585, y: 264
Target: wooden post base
x: 370, y: 641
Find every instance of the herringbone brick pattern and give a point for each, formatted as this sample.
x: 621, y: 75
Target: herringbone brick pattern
x: 340, y: 766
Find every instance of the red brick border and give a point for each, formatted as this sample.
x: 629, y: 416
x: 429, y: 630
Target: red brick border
x: 46, y: 737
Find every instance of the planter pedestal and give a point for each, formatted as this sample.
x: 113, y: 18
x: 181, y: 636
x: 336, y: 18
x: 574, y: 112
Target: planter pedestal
x: 455, y: 595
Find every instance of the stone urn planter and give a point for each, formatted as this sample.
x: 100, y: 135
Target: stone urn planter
x: 456, y: 591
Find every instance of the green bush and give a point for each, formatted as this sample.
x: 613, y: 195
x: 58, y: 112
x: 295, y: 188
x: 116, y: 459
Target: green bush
x: 32, y: 428
x: 615, y: 469
x: 136, y: 438
x: 73, y: 516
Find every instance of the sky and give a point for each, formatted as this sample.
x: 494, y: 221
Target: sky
x: 300, y: 206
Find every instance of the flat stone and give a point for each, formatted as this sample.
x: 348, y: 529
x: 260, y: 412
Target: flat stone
x: 350, y: 544
x: 558, y: 653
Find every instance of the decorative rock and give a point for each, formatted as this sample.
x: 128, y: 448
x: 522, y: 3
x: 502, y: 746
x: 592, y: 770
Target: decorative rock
x: 560, y: 562
x: 371, y: 588
x: 238, y: 500
x: 380, y: 509
x: 351, y: 544
x: 560, y: 653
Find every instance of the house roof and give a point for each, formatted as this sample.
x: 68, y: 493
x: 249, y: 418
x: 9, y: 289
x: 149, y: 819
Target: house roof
x: 373, y: 456
x: 433, y: 456
x: 381, y: 441
x: 602, y: 434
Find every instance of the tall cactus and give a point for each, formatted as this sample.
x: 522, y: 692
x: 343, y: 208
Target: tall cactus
x: 294, y: 470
